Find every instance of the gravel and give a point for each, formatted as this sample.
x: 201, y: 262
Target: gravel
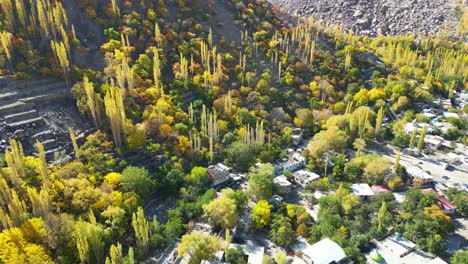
x: 374, y: 17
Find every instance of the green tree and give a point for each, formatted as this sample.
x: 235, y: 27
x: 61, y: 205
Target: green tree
x: 240, y: 156
x: 198, y: 246
x: 421, y: 139
x: 460, y: 257
x: 381, y: 215
x: 137, y: 179
x: 261, y: 182
x: 141, y: 228
x: 281, y: 231
x: 236, y: 256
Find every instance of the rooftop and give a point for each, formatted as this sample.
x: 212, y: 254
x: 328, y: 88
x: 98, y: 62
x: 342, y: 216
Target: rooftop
x: 418, y: 173
x: 281, y: 181
x: 362, y: 189
x: 323, y: 252
x: 397, y: 249
x: 380, y: 188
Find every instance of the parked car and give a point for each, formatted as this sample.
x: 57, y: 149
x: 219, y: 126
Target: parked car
x: 445, y: 177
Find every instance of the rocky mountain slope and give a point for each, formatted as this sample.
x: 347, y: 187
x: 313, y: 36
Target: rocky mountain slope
x: 372, y: 17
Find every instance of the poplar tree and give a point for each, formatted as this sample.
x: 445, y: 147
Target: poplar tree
x: 61, y: 55
x: 15, y: 161
x: 397, y: 161
x: 381, y: 215
x: 157, y: 35
x: 379, y: 121
x: 115, y: 8
x: 413, y: 137
x: 91, y: 101
x: 157, y: 73
x: 8, y: 12
x: 421, y: 139
x: 74, y: 143
x: 40, y: 202
x: 115, y: 112
x: 141, y: 228
x: 116, y: 256
x: 43, y: 165
x: 7, y: 45
x: 21, y: 11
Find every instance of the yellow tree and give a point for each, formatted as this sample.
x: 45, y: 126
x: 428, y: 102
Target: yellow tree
x: 93, y: 101
x: 61, y: 54
x: 7, y: 45
x: 75, y: 145
x: 115, y: 112
x: 8, y: 12
x: 141, y: 227
x: 42, y: 165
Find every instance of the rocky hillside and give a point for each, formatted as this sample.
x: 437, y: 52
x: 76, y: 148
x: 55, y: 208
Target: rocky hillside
x: 372, y: 17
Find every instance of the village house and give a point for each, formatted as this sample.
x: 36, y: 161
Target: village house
x: 362, y: 190
x: 325, y: 251
x: 397, y: 249
x: 219, y: 174
x: 305, y: 177
x: 282, y: 184
x: 417, y: 173
x: 296, y: 135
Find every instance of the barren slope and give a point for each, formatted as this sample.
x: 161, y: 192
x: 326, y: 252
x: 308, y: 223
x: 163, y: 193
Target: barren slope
x: 372, y: 17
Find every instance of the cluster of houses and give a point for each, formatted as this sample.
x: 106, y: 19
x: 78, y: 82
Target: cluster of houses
x: 290, y: 172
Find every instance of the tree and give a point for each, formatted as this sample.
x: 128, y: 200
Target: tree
x: 222, y: 211
x: 421, y: 139
x: 460, y: 257
x: 113, y: 102
x: 304, y: 118
x: 141, y: 228
x: 261, y: 214
x: 281, y: 231
x: 376, y: 170
x: 6, y: 44
x: 379, y: 121
x: 75, y: 145
x: 261, y: 182
x: 240, y: 156
x: 332, y: 139
x: 381, y: 215
x: 137, y: 179
x: 359, y: 144
x: 22, y: 244
x: 116, y: 256
x: 235, y: 256
x: 198, y: 246
x: 90, y: 238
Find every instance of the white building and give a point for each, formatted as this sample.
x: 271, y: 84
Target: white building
x: 282, y: 184
x: 363, y: 190
x: 297, y: 135
x: 325, y: 251
x: 305, y: 177
x: 415, y: 172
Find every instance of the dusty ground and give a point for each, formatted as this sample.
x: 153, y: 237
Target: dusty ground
x: 372, y: 17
